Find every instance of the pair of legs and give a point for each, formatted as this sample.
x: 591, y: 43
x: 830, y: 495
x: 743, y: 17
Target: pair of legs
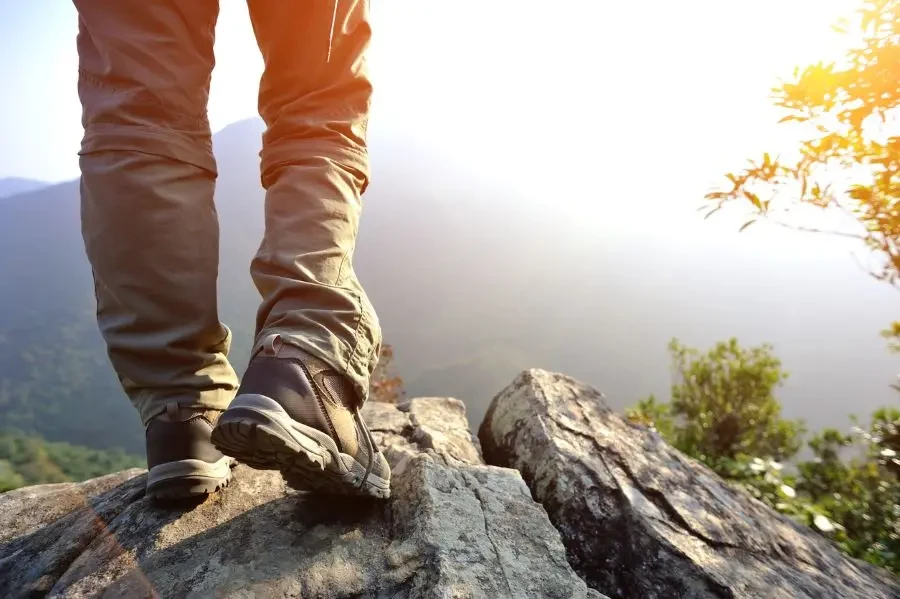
x: 148, y: 174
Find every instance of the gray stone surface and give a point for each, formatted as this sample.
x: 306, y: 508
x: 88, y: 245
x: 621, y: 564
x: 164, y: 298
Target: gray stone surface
x: 454, y: 528
x: 27, y: 509
x: 639, y: 519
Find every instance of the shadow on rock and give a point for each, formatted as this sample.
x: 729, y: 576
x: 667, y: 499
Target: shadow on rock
x: 317, y: 546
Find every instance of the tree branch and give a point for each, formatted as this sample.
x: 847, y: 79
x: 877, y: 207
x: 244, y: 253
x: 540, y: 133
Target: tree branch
x: 803, y: 229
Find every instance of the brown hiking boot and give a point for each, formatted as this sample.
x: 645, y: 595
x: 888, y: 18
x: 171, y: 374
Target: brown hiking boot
x: 181, y: 459
x: 295, y: 414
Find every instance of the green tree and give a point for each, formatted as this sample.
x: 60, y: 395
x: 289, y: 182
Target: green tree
x: 884, y: 435
x: 9, y: 478
x: 853, y: 481
x: 723, y: 405
x: 29, y: 460
x: 654, y: 414
x: 723, y: 412
x: 845, y: 168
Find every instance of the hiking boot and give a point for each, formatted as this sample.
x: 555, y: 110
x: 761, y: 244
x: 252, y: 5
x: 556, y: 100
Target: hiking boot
x: 295, y: 414
x: 182, y: 461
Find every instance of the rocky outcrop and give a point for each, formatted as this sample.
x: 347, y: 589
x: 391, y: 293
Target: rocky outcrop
x: 454, y: 528
x: 636, y: 519
x: 639, y: 519
x: 25, y: 510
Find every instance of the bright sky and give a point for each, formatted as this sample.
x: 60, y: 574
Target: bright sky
x: 651, y: 100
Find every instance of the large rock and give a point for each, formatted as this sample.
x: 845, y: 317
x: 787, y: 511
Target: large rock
x: 454, y: 528
x: 25, y: 510
x: 639, y: 519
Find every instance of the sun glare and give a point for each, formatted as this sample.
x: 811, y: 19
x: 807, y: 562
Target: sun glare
x: 501, y: 88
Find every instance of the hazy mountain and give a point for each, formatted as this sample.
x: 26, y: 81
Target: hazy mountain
x: 490, y: 367
x: 472, y: 282
x: 14, y: 185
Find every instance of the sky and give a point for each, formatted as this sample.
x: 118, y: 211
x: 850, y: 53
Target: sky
x: 624, y: 108
x: 601, y: 77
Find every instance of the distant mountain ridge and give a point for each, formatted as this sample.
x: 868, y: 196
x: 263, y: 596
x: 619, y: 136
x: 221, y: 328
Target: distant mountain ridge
x: 471, y: 282
x: 10, y: 186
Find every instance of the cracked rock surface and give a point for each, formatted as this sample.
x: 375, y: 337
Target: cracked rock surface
x: 454, y: 528
x: 639, y: 519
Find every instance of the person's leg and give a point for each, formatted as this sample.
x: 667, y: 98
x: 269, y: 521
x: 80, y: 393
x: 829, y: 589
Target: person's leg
x: 314, y: 98
x: 318, y: 337
x: 148, y: 220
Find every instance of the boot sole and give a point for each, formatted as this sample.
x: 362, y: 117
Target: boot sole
x: 258, y: 432
x: 189, y: 478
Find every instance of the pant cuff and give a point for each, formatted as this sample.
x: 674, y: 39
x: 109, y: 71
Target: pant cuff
x: 149, y: 406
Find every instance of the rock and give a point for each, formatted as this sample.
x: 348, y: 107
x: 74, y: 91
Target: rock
x: 441, y: 424
x: 437, y: 424
x: 640, y: 519
x: 453, y: 528
x: 18, y: 515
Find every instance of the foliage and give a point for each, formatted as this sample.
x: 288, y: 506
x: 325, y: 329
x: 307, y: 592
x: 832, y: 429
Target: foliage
x: 860, y: 493
x: 50, y: 369
x: 846, y: 165
x: 28, y: 460
x: 849, y: 159
x: 385, y: 384
x: 723, y: 404
x: 848, y: 162
x: 654, y: 414
x: 849, y: 491
x: 9, y: 478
